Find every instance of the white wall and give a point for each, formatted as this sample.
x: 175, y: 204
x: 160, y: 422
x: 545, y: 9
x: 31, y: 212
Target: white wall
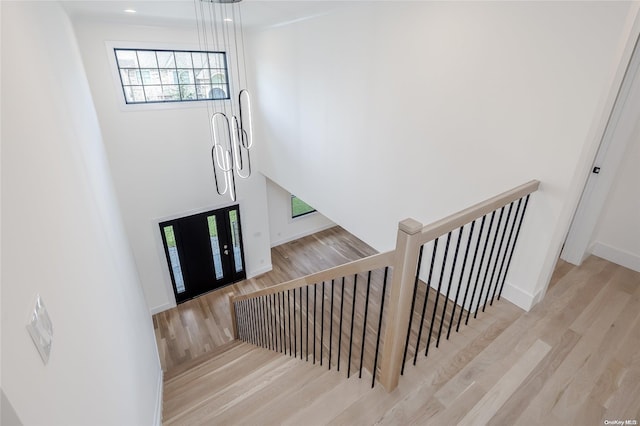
x: 617, y: 236
x: 282, y: 227
x: 62, y: 237
x: 8, y: 416
x: 160, y: 158
x: 387, y: 110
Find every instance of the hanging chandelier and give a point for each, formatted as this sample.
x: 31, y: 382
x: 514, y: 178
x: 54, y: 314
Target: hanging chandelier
x: 219, y: 26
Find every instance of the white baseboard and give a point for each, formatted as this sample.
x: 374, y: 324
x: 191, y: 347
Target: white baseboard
x: 618, y: 256
x: 157, y: 420
x: 301, y: 235
x: 161, y: 308
x: 256, y: 272
x: 519, y: 297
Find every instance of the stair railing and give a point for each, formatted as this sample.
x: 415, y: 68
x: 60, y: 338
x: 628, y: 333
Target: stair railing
x: 333, y: 316
x: 391, y: 325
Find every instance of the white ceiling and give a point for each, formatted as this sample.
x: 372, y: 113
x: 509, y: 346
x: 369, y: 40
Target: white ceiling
x: 255, y: 13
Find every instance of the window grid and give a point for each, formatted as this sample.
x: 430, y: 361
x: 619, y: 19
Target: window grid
x: 160, y: 76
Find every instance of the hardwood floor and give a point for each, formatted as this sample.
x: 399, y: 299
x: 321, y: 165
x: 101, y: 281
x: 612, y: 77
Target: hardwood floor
x: 194, y: 329
x: 574, y: 359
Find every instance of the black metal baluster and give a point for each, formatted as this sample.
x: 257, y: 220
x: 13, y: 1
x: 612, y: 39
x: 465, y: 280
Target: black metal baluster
x: 315, y: 291
x: 295, y: 329
x: 289, y: 309
x: 243, y: 332
x: 364, y: 323
x: 435, y: 306
x: 506, y: 248
x: 375, y: 361
x: 257, y: 321
x: 274, y: 335
x: 300, y: 322
x: 464, y: 263
x: 276, y: 323
x: 515, y: 241
x: 484, y: 251
x: 239, y: 318
x: 306, y: 293
x: 451, y: 273
x: 486, y: 272
x: 261, y: 319
x: 238, y: 309
x: 340, y: 329
x: 254, y: 323
x: 353, y: 315
x: 473, y: 264
x: 267, y: 318
x: 331, y: 325
x: 265, y: 332
x: 276, y: 314
x: 322, y: 325
x: 413, y: 305
x: 265, y: 322
x: 268, y: 322
x: 249, y: 322
x: 426, y: 298
x: 495, y: 265
x: 270, y: 318
x: 283, y: 323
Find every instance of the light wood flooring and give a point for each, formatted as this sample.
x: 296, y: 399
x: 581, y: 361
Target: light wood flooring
x: 574, y: 359
x: 189, y: 333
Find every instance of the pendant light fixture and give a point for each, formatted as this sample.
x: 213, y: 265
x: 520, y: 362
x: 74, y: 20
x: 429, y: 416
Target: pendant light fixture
x: 219, y: 26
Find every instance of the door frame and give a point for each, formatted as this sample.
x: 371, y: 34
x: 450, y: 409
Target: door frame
x: 620, y: 129
x: 160, y: 251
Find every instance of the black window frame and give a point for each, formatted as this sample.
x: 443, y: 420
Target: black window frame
x: 301, y: 214
x: 225, y: 72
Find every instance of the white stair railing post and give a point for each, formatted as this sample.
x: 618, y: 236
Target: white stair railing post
x: 399, y: 309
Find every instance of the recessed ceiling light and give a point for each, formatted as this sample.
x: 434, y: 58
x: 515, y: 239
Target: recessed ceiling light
x: 129, y: 11
x: 228, y: 20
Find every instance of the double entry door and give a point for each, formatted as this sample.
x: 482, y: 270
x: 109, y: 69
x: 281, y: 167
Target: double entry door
x: 204, y: 251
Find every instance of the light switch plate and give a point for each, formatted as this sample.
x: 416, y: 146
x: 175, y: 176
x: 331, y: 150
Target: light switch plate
x: 41, y: 329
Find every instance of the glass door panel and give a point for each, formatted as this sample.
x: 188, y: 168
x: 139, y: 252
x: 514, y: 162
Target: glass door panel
x: 234, y: 227
x: 174, y: 259
x: 215, y: 246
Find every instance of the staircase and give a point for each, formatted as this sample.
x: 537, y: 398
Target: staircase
x: 366, y: 319
x: 242, y: 384
x: 245, y: 384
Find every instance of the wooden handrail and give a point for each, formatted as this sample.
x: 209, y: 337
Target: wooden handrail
x: 456, y: 220
x: 366, y: 264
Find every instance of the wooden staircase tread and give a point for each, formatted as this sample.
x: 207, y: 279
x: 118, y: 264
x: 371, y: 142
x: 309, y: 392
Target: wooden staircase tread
x: 300, y: 394
x: 183, y: 393
x: 194, y: 363
x: 287, y: 385
x: 216, y: 401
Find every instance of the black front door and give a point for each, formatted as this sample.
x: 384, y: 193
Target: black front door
x: 204, y: 251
